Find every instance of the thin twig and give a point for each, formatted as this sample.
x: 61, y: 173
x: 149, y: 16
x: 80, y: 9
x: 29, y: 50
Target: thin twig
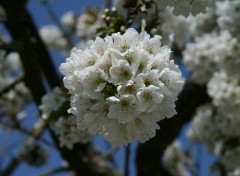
x: 35, y: 133
x: 25, y: 132
x: 12, y: 85
x: 54, y: 171
x: 68, y: 36
x: 127, y: 158
x: 143, y: 17
x: 106, y: 4
x: 52, y: 14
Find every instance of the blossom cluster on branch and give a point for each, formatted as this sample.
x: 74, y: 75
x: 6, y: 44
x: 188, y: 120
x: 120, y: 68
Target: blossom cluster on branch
x: 122, y: 78
x: 122, y: 85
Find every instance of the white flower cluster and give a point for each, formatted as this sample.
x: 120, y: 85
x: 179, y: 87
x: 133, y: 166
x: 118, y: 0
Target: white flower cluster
x: 10, y: 68
x: 53, y: 37
x: 229, y: 14
x: 175, y: 29
x: 211, y: 121
x: 181, y: 7
x: 69, y: 134
x: 235, y: 172
x: 230, y: 159
x: 225, y: 91
x: 72, y: 28
x: 88, y: 22
x: 14, y: 101
x: 187, y: 7
x: 210, y: 53
x: 65, y: 126
x: 172, y: 160
x: 122, y: 85
x: 203, y: 126
x: 203, y: 23
x: 209, y: 126
x: 214, y: 60
x: 51, y: 102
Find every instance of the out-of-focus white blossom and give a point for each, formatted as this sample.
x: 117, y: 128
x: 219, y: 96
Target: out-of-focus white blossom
x: 203, y: 23
x: 231, y: 158
x: 204, y: 126
x: 10, y: 68
x: 175, y: 29
x: 208, y: 54
x: 66, y: 128
x: 13, y: 61
x: 53, y: 37
x: 172, y: 160
x: 122, y: 85
x: 68, y: 20
x: 185, y: 7
x: 235, y: 172
x: 225, y: 91
x: 14, y: 101
x: 229, y: 14
x: 88, y: 22
x: 52, y: 101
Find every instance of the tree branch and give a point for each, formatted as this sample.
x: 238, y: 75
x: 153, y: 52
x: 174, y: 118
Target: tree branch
x: 149, y: 154
x: 54, y: 171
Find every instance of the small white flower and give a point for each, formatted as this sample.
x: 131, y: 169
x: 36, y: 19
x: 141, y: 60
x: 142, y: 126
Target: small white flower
x: 150, y: 78
x: 121, y: 72
x: 149, y: 97
x: 93, y: 79
x: 123, y: 108
x: 125, y: 43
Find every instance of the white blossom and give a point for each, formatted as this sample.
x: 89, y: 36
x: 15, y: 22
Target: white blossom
x: 66, y: 129
x: 203, y: 23
x: 88, y: 22
x: 53, y: 37
x: 175, y: 29
x: 204, y: 126
x: 208, y: 54
x: 230, y: 159
x: 228, y: 15
x: 123, y: 109
x: 185, y: 7
x: 68, y: 20
x: 51, y: 102
x: 173, y: 160
x: 129, y: 86
x: 225, y: 91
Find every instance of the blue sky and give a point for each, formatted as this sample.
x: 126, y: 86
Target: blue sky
x: 41, y: 18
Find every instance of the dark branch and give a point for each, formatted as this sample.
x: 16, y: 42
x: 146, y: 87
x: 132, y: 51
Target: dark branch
x: 54, y: 171
x: 149, y: 154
